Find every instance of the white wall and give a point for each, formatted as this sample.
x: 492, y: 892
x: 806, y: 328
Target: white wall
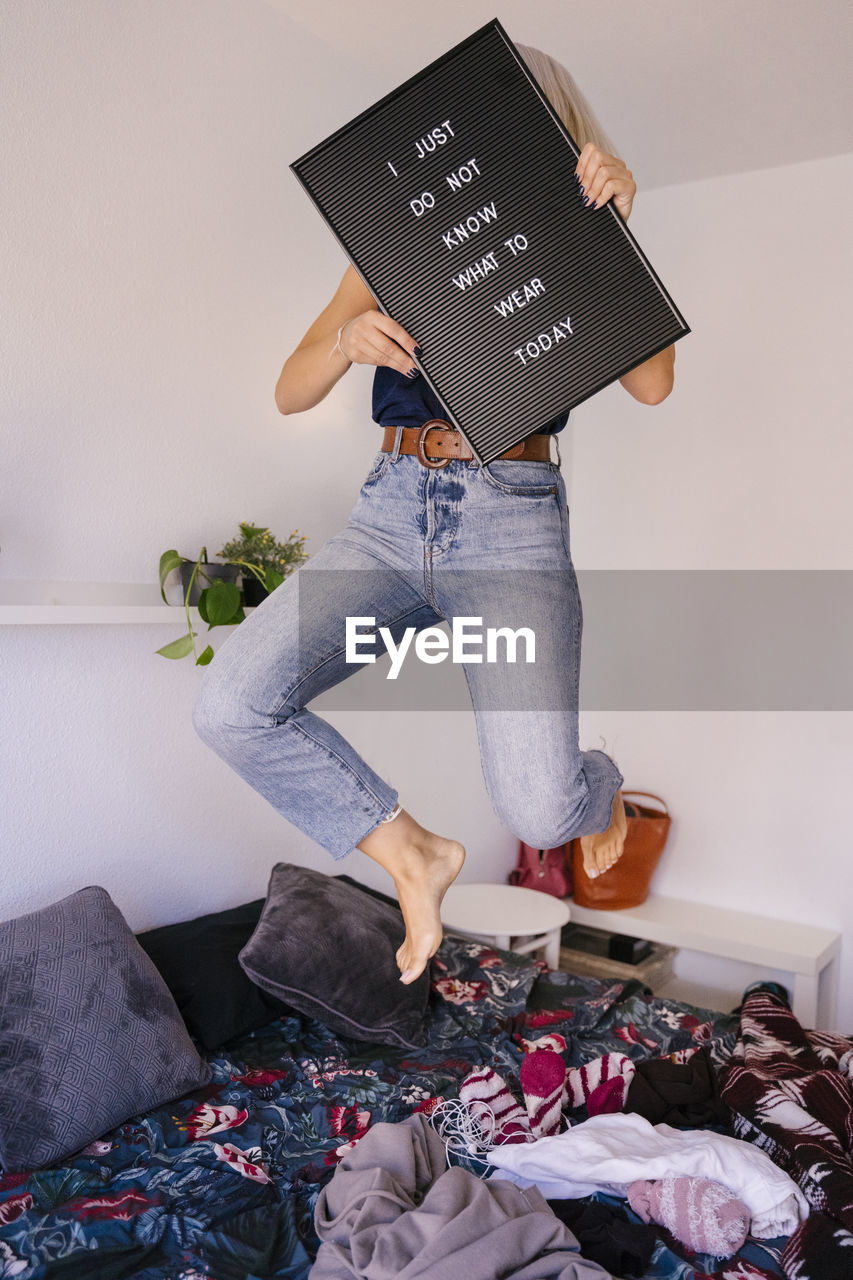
x: 161, y: 262
x: 745, y: 466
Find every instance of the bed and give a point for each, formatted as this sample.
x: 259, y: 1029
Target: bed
x: 223, y: 1181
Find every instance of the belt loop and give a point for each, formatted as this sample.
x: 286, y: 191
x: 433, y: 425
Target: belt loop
x: 557, y: 443
x: 398, y: 440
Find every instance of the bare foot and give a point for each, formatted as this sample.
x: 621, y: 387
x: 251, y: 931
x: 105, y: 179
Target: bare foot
x: 603, y: 849
x: 422, y: 866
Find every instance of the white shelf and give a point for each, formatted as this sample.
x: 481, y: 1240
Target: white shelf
x: 737, y: 935
x: 29, y: 603
x: 39, y: 614
x: 807, y: 951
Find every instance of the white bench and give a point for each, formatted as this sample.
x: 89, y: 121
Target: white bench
x: 808, y: 952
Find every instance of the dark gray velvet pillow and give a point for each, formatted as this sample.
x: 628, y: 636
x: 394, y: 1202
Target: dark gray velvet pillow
x: 328, y: 950
x: 89, y: 1034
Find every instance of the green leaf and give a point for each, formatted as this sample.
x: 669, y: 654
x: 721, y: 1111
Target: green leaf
x: 54, y: 1186
x: 203, y: 658
x: 169, y: 560
x: 178, y: 648
x: 240, y: 615
x: 202, y: 605
x: 273, y: 579
x: 223, y: 601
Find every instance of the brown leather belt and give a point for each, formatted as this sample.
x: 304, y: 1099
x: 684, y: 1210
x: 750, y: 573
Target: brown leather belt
x: 439, y: 439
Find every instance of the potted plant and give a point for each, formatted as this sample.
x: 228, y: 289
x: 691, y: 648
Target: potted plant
x: 268, y: 562
x: 221, y: 602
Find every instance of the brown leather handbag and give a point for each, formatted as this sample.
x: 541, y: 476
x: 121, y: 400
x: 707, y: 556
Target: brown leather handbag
x: 627, y: 883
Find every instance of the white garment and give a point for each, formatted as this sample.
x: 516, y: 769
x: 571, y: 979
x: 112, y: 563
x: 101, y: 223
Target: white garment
x: 609, y: 1152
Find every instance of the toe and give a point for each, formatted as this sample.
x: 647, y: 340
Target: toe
x: 589, y: 862
x: 414, y: 971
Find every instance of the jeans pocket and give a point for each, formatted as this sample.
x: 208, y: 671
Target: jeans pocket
x: 523, y: 479
x: 378, y: 466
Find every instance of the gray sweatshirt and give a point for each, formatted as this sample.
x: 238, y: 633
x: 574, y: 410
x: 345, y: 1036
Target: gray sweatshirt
x: 392, y: 1210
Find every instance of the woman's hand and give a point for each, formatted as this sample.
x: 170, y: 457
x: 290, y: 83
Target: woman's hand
x: 349, y: 330
x: 603, y: 177
x: 374, y: 338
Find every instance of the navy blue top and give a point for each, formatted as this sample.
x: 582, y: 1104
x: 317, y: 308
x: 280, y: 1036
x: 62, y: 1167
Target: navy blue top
x: 409, y: 402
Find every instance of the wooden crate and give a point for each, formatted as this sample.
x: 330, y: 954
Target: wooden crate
x: 654, y: 971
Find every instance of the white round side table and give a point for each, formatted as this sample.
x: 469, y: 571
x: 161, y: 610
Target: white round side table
x: 499, y: 913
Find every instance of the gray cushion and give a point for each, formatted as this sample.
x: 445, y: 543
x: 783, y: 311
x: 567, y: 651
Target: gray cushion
x: 89, y: 1033
x: 328, y: 950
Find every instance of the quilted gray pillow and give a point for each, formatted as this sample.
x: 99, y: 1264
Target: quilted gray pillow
x: 89, y: 1033
x: 328, y: 950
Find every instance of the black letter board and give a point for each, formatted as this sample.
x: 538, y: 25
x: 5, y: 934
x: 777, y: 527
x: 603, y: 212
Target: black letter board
x: 454, y: 197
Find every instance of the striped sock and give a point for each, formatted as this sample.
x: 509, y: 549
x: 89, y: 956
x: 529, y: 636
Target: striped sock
x: 600, y: 1085
x: 485, y: 1085
x: 543, y: 1079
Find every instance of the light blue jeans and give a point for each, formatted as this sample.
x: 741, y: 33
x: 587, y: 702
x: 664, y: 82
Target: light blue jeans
x: 420, y: 546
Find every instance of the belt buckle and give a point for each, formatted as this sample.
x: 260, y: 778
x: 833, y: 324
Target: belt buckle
x: 433, y: 463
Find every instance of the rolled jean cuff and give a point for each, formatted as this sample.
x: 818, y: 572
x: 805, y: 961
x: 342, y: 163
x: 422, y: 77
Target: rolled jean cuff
x: 604, y: 780
x: 390, y: 812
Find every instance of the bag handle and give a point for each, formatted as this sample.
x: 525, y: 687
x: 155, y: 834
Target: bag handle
x: 651, y: 795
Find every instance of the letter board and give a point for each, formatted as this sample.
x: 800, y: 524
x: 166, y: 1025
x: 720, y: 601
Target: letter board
x: 454, y: 197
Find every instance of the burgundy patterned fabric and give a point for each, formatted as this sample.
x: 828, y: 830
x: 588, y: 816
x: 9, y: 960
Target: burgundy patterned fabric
x: 790, y: 1092
x: 820, y: 1249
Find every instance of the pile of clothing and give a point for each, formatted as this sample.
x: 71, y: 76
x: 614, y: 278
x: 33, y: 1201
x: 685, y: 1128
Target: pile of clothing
x: 711, y: 1155
x: 393, y: 1209
x: 710, y: 1190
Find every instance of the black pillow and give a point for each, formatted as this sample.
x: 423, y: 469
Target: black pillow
x: 328, y: 949
x: 198, y: 962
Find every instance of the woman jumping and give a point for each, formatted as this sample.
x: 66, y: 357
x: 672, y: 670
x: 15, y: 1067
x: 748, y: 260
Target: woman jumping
x: 432, y: 536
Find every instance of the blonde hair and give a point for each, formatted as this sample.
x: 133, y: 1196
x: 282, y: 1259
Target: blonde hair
x: 566, y: 97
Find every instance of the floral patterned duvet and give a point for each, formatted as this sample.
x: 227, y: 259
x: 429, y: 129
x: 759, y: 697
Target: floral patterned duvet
x: 223, y: 1182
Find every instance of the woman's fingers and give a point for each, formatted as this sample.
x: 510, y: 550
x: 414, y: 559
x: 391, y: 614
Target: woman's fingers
x: 396, y: 345
x: 586, y: 165
x: 601, y: 184
x: 381, y: 350
x: 611, y: 183
x: 395, y: 331
x: 604, y: 177
x: 373, y: 338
